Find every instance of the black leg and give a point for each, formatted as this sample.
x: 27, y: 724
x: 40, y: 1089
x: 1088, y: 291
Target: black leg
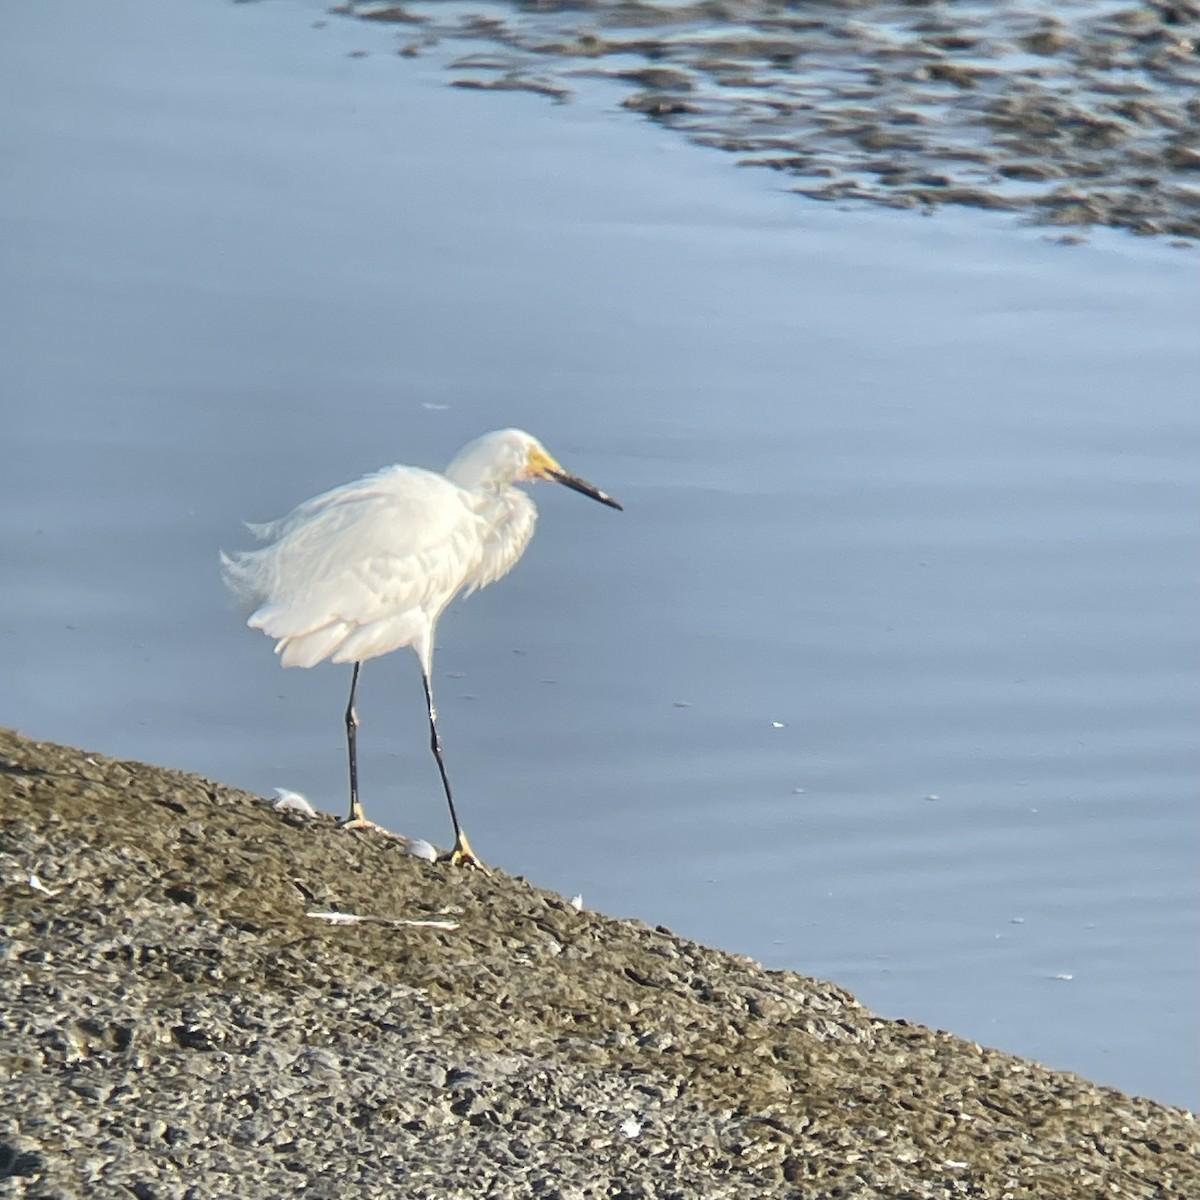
x: 435, y: 744
x: 462, y: 852
x: 356, y: 812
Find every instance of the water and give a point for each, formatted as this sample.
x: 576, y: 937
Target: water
x: 888, y: 672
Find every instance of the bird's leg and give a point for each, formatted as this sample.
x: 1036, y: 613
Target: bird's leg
x: 462, y: 854
x: 356, y: 819
x: 356, y: 810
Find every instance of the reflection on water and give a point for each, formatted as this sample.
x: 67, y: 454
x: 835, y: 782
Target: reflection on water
x: 887, y: 673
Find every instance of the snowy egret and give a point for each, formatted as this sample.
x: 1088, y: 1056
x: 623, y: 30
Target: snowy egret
x: 368, y: 567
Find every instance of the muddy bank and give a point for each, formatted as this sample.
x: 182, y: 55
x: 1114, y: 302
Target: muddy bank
x: 177, y: 1023
x: 1071, y: 114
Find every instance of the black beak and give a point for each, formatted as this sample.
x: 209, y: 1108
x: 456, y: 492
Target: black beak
x: 583, y: 487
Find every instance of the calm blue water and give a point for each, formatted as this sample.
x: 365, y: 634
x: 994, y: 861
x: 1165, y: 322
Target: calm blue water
x: 887, y: 673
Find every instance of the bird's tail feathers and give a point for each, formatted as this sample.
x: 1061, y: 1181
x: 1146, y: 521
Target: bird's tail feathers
x: 247, y: 576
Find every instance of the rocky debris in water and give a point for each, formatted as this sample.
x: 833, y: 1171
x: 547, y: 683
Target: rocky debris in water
x: 656, y: 104
x: 516, y: 81
x: 1100, y: 99
x: 176, y: 1024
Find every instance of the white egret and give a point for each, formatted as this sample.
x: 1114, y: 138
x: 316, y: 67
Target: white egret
x: 368, y: 567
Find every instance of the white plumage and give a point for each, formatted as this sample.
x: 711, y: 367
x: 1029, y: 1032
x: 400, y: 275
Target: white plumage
x: 369, y: 566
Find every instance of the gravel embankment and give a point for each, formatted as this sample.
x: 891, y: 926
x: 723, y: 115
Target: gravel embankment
x: 174, y: 1025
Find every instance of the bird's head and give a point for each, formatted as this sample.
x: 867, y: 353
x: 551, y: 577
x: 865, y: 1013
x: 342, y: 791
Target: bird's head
x: 509, y: 456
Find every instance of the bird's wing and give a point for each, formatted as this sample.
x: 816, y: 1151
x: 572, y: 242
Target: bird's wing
x: 394, y: 546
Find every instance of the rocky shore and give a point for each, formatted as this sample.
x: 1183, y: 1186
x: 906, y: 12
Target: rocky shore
x: 1070, y: 114
x: 177, y: 1021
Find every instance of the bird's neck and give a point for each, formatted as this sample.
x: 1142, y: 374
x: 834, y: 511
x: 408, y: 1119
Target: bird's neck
x: 502, y: 508
x: 509, y: 517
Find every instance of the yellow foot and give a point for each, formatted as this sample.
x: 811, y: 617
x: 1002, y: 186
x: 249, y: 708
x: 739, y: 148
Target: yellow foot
x: 463, y: 856
x: 361, y: 822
